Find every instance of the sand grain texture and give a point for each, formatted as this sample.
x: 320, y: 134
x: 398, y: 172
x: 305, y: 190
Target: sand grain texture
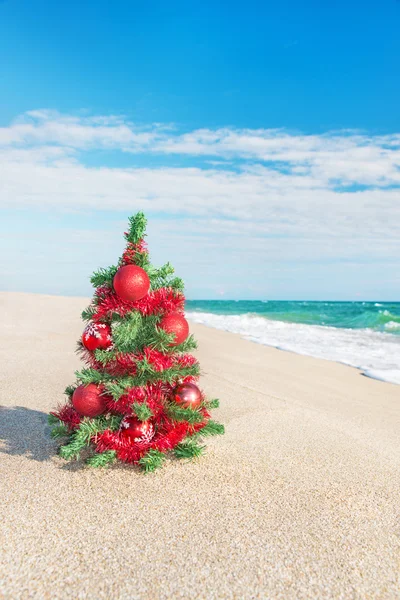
x: 299, y: 499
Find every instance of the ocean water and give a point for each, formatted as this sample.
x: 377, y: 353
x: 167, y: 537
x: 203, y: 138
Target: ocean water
x: 365, y: 335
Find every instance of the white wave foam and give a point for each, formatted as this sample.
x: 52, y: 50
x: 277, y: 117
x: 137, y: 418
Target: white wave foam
x: 376, y: 354
x: 393, y: 325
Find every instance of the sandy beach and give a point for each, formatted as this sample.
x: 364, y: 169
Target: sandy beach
x: 299, y: 499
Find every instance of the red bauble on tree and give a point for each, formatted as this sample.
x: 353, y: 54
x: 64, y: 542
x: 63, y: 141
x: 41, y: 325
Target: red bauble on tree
x: 88, y: 401
x: 135, y: 431
x: 97, y: 335
x: 187, y: 395
x: 131, y: 283
x: 177, y: 324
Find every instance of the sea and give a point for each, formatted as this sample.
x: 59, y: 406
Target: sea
x: 365, y: 335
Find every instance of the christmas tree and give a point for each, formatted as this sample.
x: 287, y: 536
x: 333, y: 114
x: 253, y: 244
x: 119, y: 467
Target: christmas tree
x: 137, y: 398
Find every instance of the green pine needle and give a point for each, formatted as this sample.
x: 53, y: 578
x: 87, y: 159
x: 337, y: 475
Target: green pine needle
x: 69, y: 390
x: 59, y: 431
x: 102, y: 460
x: 165, y: 271
x: 125, y: 332
x: 114, y: 389
x: 212, y: 428
x: 137, y: 228
x: 142, y: 260
x: 87, y: 376
x: 145, y: 374
x: 103, y: 277
x: 104, y: 356
x: 210, y: 404
x: 176, y: 284
x: 88, y: 429
x: 152, y: 460
x: 187, y: 346
x: 178, y: 413
x: 189, y: 449
x: 53, y: 420
x: 72, y: 450
x: 161, y: 277
x: 88, y: 313
x: 142, y: 411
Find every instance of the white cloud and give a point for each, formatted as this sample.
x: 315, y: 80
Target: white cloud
x: 261, y: 195
x: 49, y: 127
x: 334, y: 159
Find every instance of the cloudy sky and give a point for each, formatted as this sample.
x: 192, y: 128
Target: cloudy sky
x: 262, y: 142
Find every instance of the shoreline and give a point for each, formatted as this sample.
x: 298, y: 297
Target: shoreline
x: 374, y: 354
x: 362, y: 372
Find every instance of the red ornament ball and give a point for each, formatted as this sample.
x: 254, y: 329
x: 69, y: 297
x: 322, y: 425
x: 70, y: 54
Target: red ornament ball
x: 135, y: 431
x: 97, y: 335
x: 131, y: 283
x: 177, y: 324
x: 88, y: 401
x: 187, y: 395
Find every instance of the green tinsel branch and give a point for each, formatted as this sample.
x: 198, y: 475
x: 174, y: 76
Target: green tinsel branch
x: 152, y: 460
x: 210, y: 404
x: 86, y: 376
x: 88, y: 429
x: 137, y: 228
x: 189, y: 449
x: 53, y: 420
x: 125, y: 331
x: 104, y: 356
x: 142, y: 411
x: 179, y: 413
x: 212, y: 428
x: 69, y: 390
x: 142, y: 260
x: 146, y: 374
x: 103, y: 277
x: 88, y: 313
x: 60, y: 431
x: 102, y: 459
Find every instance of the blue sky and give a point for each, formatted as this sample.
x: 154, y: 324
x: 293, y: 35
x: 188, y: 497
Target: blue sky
x: 261, y: 138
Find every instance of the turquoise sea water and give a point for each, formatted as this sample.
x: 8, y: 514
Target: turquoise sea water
x: 379, y: 316
x: 365, y: 335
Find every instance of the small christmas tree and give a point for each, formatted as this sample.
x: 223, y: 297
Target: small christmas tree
x: 137, y: 399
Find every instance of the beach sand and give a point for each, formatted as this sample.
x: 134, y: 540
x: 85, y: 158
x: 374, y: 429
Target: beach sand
x: 299, y: 499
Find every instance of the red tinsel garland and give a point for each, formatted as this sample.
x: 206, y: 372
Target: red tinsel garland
x: 132, y: 250
x: 158, y: 302
x: 124, y: 363
x: 154, y: 394
x: 68, y: 415
x: 168, y: 435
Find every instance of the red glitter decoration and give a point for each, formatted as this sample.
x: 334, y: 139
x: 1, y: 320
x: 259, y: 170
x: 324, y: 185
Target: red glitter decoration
x: 131, y: 283
x: 88, y: 401
x: 137, y: 432
x: 188, y: 395
x: 97, y: 335
x: 177, y: 324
